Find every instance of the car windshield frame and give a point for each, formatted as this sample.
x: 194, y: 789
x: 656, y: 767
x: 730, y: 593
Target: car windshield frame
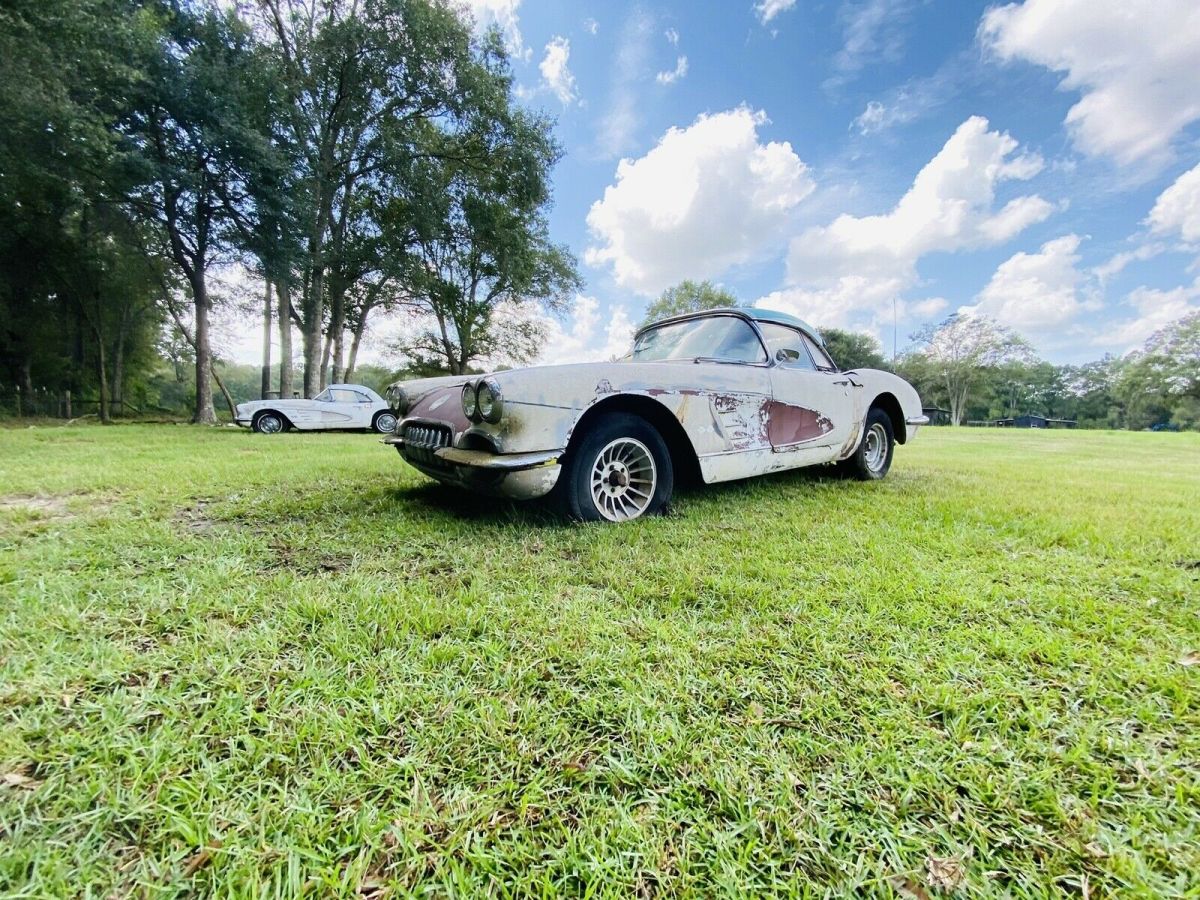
x: 699, y: 322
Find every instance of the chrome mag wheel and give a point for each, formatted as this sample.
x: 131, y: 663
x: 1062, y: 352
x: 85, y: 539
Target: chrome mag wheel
x: 385, y: 423
x: 623, y: 480
x: 270, y: 423
x: 876, y: 451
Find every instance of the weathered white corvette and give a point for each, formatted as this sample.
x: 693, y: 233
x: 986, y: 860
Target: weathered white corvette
x: 721, y: 395
x: 338, y: 406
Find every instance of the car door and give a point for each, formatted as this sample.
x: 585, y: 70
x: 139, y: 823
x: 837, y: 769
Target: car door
x: 812, y: 405
x: 341, y: 410
x: 364, y: 409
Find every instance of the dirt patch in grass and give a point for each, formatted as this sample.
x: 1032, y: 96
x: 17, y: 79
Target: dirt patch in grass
x: 305, y: 562
x: 196, y: 518
x: 41, y: 507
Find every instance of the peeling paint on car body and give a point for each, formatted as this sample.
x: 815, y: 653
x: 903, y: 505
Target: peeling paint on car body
x: 736, y: 418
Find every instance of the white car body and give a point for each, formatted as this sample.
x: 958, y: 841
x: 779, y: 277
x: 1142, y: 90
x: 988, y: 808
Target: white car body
x: 339, y: 406
x: 727, y: 420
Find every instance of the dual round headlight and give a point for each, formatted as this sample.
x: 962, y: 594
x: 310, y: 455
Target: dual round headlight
x: 401, y: 401
x: 482, y: 401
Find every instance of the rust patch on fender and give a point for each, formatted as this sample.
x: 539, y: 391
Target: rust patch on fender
x: 787, y: 424
x: 741, y: 420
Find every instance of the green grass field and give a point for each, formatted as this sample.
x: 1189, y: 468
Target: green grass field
x: 279, y: 666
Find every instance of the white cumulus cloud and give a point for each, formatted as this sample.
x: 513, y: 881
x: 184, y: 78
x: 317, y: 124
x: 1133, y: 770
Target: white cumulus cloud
x: 856, y: 264
x: 1116, y: 264
x: 589, y: 336
x: 1152, y: 309
x: 502, y: 14
x: 556, y: 73
x: 1177, y: 210
x: 670, y: 77
x: 766, y: 10
x: 1037, y: 292
x: 705, y: 198
x: 1136, y: 64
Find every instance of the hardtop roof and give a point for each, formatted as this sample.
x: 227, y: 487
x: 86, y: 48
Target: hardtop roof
x: 753, y: 313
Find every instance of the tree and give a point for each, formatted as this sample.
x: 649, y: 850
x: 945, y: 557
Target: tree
x: 370, y: 86
x: 483, y: 264
x: 1164, y: 375
x: 688, y: 296
x: 75, y: 296
x: 195, y: 140
x: 1089, y: 393
x: 853, y: 349
x: 958, y: 352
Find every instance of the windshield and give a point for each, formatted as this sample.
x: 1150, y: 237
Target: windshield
x: 726, y: 338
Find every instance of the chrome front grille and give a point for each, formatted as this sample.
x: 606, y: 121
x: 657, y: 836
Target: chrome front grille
x: 423, y: 439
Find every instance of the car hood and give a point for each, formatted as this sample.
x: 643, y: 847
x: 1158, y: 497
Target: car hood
x: 578, y: 385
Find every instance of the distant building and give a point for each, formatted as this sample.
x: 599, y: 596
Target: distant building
x: 1032, y: 420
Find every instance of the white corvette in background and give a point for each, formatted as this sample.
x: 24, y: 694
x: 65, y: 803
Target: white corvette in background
x: 339, y: 406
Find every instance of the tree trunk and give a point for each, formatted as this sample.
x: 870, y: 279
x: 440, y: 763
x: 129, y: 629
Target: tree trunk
x: 225, y: 393
x: 118, y: 379
x: 337, y: 328
x: 338, y: 375
x: 27, y: 375
x: 285, y: 340
x: 205, y: 414
x: 312, y: 359
x: 355, y: 343
x: 266, y: 344
x: 325, y: 361
x: 100, y: 369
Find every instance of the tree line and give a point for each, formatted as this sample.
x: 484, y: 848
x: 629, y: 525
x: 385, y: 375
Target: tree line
x: 352, y: 156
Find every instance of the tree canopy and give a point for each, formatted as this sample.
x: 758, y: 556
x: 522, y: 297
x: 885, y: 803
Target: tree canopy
x: 853, y: 349
x: 689, y: 296
x: 356, y: 155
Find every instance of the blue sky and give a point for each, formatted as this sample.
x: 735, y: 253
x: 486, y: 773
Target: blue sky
x: 1036, y: 162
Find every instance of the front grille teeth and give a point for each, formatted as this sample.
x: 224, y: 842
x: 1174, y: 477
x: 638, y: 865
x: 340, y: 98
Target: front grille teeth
x: 423, y: 440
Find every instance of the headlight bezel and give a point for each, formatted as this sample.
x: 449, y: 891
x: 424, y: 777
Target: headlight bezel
x: 398, y: 399
x: 496, y: 413
x: 470, y: 401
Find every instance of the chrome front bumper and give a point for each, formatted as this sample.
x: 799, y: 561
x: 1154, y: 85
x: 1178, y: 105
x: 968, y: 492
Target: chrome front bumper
x: 522, y: 476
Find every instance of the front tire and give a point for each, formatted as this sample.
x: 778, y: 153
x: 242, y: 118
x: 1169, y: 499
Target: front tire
x: 619, y: 471
x: 873, y: 458
x: 269, y: 422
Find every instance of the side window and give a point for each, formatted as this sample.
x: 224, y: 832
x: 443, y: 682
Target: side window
x: 786, y: 346
x: 360, y: 397
x: 341, y: 395
x: 324, y: 397
x: 822, y: 359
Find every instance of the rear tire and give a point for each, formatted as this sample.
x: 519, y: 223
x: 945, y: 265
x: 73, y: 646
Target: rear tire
x: 269, y: 422
x: 385, y: 422
x: 619, y: 471
x: 873, y: 457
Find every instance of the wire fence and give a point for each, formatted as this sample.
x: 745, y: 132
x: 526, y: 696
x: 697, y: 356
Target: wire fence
x: 47, y: 403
